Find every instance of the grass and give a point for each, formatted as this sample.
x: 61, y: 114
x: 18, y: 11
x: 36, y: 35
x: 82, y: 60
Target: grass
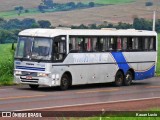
x: 6, y: 64
x: 127, y: 116
x: 119, y: 118
x: 13, y: 14
x: 113, y: 1
x: 158, y: 62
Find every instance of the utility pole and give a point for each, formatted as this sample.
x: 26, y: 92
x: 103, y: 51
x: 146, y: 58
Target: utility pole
x: 154, y: 20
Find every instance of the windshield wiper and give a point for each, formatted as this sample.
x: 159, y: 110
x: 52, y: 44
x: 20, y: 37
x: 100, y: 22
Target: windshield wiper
x: 21, y: 59
x: 39, y: 60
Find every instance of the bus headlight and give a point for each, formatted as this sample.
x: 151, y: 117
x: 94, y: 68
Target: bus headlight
x: 42, y: 74
x: 18, y: 72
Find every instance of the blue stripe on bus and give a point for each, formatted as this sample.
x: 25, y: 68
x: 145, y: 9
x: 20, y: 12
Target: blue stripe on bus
x: 147, y: 74
x: 119, y: 58
x: 30, y: 68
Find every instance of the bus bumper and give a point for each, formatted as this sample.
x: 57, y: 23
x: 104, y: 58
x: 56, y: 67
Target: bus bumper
x: 44, y: 81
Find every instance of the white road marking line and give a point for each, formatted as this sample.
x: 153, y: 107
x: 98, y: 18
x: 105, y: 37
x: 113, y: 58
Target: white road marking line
x: 152, y: 87
x: 95, y: 91
x: 20, y: 97
x: 2, y: 89
x: 6, y: 89
x: 76, y: 105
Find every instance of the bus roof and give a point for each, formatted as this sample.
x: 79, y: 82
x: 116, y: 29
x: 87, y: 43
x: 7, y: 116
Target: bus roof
x: 39, y: 32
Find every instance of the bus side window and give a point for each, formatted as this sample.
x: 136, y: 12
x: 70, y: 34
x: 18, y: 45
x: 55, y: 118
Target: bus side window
x: 134, y: 43
x: 76, y: 44
x: 140, y: 44
x: 99, y: 45
x: 112, y: 44
x: 70, y: 46
x: 83, y: 44
x: 119, y: 43
x: 94, y: 44
x: 129, y: 44
x: 107, y: 44
x: 59, y: 48
x: 104, y: 46
x: 73, y: 44
x: 81, y: 47
x: 152, y: 44
x: 88, y: 44
x: 145, y: 43
x: 124, y: 43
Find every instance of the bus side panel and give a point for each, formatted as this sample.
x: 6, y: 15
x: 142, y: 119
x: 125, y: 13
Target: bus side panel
x: 143, y: 63
x: 87, y: 68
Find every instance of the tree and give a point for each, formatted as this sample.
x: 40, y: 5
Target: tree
x: 41, y: 8
x: 93, y: 26
x: 142, y: 24
x: 28, y: 23
x: 71, y: 4
x: 80, y: 5
x: 158, y: 25
x: 82, y: 26
x: 149, y: 3
x: 19, y: 9
x: 91, y: 4
x: 2, y: 23
x: 26, y: 11
x: 1, y: 19
x: 48, y: 3
x: 44, y: 23
x: 123, y: 25
x: 110, y: 25
x: 13, y: 24
x: 5, y: 36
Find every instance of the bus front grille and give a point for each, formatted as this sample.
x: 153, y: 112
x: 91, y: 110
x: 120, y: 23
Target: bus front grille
x: 29, y: 80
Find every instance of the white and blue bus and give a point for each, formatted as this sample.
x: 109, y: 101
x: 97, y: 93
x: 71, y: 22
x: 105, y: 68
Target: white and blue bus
x: 65, y: 57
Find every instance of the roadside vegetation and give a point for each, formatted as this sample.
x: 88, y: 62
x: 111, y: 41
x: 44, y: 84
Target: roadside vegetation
x: 131, y: 115
x: 6, y: 64
x: 9, y: 29
x: 158, y: 62
x: 121, y: 118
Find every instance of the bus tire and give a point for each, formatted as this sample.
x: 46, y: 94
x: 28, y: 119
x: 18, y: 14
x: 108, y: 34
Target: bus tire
x: 119, y: 78
x: 65, y: 83
x: 34, y: 86
x: 128, y: 78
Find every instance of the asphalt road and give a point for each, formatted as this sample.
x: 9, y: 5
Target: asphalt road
x: 22, y: 98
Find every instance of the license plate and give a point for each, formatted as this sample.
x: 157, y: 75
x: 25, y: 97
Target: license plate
x: 28, y: 77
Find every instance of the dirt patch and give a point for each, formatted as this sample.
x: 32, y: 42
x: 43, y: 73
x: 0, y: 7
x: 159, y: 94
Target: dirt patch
x: 112, y: 13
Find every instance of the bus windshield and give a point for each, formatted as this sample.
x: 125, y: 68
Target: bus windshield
x: 34, y: 48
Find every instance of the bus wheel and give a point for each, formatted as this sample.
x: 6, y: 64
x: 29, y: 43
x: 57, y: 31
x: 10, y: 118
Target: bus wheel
x: 119, y: 79
x: 64, y: 82
x: 128, y: 78
x: 33, y: 86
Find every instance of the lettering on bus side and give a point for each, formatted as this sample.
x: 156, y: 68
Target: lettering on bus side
x: 90, y: 58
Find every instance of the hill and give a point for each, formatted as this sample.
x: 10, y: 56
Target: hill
x: 111, y: 13
x: 7, y: 5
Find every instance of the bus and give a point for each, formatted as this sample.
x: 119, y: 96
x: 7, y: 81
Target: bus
x: 64, y: 57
